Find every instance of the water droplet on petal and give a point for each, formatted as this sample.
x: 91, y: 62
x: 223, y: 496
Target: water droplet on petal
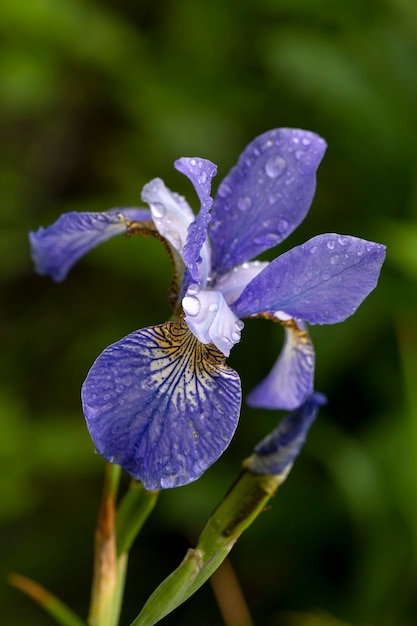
x: 283, y: 226
x: 239, y: 325
x: 213, y: 308
x: 267, y: 145
x: 275, y: 166
x: 193, y: 290
x: 202, y: 178
x: 334, y: 259
x: 306, y: 141
x: 244, y: 203
x: 313, y: 249
x: 158, y: 210
x: 235, y: 336
x: 224, y: 190
x: 325, y: 276
x: 330, y: 244
x: 191, y: 305
x: 343, y: 241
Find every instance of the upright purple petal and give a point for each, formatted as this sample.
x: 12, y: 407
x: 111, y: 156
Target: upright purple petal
x: 321, y: 282
x: 171, y: 213
x: 276, y: 453
x: 265, y: 196
x: 161, y: 405
x: 200, y: 172
x: 291, y: 379
x: 58, y: 247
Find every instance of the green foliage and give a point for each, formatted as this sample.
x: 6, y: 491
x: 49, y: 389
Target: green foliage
x: 96, y: 98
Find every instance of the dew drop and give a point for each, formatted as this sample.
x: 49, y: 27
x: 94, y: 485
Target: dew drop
x: 158, y: 210
x: 343, y: 241
x: 239, y: 325
x: 325, y: 276
x: 267, y: 145
x: 119, y: 388
x: 299, y: 154
x: 213, y: 308
x: 191, y: 305
x: 193, y: 290
x: 224, y: 190
x: 244, y: 203
x: 330, y: 245
x: 306, y: 141
x: 275, y: 166
x: 235, y: 336
x: 334, y: 259
x: 106, y: 397
x: 283, y: 226
x: 202, y: 178
x: 313, y: 249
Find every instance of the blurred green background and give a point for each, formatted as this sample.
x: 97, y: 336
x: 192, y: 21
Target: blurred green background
x: 96, y: 99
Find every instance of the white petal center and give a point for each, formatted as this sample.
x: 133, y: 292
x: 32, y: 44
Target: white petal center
x: 210, y: 319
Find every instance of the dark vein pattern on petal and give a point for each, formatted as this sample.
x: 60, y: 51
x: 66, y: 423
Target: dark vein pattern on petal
x: 162, y: 405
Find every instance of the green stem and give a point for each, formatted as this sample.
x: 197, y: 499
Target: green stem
x: 242, y: 504
x: 133, y: 511
x: 105, y: 590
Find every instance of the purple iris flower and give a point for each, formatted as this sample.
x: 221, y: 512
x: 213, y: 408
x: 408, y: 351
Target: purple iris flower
x: 162, y: 402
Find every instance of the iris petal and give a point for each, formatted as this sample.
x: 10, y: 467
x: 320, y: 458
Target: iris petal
x: 162, y: 405
x: 196, y: 251
x: 58, y: 247
x: 234, y: 282
x: 265, y: 196
x: 277, y: 452
x: 290, y: 381
x: 170, y: 212
x: 210, y: 319
x: 321, y: 282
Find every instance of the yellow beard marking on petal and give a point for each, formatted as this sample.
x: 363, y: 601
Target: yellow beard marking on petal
x: 183, y: 367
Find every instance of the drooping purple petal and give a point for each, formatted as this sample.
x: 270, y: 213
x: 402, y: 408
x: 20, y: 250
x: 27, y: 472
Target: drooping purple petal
x: 200, y: 172
x: 321, y: 282
x: 161, y: 405
x: 276, y: 453
x: 291, y: 379
x: 265, y: 196
x: 56, y: 248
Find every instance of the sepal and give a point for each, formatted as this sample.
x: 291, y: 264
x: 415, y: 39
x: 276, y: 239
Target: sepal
x: 57, y: 248
x: 162, y: 405
x: 276, y: 454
